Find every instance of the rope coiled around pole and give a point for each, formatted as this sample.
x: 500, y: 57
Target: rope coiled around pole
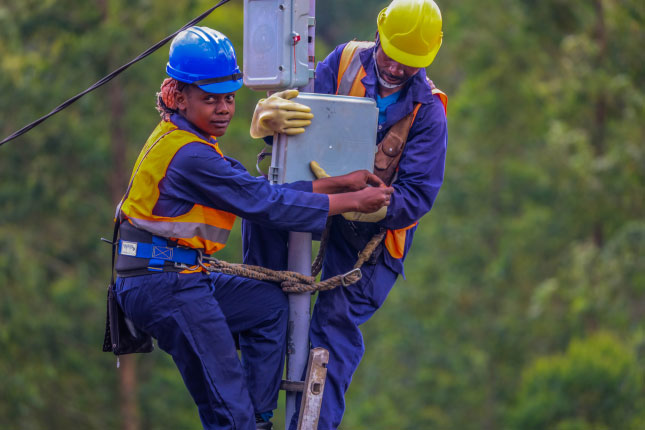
x: 294, y: 282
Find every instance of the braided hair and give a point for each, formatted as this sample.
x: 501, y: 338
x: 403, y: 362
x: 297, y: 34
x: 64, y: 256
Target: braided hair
x: 166, y: 101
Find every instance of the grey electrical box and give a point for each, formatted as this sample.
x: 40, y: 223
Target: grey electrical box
x: 275, y: 44
x: 341, y: 138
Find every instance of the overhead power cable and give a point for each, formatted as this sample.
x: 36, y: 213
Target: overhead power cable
x: 112, y: 75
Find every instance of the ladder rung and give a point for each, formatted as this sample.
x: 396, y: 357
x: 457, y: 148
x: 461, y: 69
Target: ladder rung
x: 292, y: 385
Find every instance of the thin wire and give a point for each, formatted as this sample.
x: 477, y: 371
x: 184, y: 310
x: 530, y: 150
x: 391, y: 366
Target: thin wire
x: 112, y: 75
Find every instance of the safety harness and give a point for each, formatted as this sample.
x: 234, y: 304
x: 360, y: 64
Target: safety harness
x: 157, y: 254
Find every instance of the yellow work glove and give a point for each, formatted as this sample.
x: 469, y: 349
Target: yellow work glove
x: 320, y: 173
x: 278, y: 114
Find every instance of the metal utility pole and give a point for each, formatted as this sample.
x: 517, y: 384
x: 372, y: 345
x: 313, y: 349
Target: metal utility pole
x: 300, y: 261
x: 276, y: 58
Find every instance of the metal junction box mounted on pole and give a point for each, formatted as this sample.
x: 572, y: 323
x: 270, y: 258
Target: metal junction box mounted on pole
x: 341, y: 138
x: 275, y: 44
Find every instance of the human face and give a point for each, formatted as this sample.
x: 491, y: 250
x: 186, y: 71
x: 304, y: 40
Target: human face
x: 210, y: 113
x: 392, y: 72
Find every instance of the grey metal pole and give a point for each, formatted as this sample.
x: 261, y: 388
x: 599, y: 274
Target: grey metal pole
x: 299, y: 314
x: 300, y: 261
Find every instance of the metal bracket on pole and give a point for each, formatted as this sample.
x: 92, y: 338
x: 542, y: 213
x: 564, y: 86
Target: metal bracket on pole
x: 313, y: 389
x: 274, y: 174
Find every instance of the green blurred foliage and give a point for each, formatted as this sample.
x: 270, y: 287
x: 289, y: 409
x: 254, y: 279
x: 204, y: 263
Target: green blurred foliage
x: 595, y: 384
x: 524, y: 301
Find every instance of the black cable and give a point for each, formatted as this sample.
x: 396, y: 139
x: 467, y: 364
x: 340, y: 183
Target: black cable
x: 112, y: 75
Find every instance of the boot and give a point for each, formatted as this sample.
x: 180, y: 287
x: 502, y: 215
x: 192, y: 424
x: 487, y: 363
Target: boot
x: 261, y: 424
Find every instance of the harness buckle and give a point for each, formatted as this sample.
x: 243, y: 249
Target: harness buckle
x: 184, y: 266
x: 346, y: 282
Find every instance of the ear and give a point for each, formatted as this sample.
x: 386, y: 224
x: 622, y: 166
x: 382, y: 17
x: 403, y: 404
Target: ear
x: 181, y: 100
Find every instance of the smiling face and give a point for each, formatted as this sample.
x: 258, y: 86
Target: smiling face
x: 392, y: 72
x: 210, y: 113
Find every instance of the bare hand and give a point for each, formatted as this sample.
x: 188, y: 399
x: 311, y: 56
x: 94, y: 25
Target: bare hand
x: 358, y: 180
x: 350, y: 182
x: 371, y: 199
x: 367, y: 200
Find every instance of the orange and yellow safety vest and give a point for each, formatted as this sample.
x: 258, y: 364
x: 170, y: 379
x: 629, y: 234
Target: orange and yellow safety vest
x: 202, y: 227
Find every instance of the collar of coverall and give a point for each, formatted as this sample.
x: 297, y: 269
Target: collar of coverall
x: 186, y: 125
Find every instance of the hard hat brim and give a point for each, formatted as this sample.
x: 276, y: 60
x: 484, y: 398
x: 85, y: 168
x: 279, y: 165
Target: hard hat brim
x: 407, y: 59
x: 222, y: 87
x: 214, y: 88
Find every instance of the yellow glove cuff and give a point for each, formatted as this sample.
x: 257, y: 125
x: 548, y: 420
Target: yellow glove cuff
x: 370, y: 217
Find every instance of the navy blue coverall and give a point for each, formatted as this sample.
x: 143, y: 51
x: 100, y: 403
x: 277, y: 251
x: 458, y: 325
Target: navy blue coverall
x: 338, y: 313
x: 196, y: 317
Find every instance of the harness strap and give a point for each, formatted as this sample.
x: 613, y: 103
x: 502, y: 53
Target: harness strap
x: 390, y: 149
x: 442, y: 96
x: 158, y: 252
x: 349, y: 69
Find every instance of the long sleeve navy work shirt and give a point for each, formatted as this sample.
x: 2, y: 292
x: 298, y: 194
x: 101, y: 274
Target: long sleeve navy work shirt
x: 199, y: 174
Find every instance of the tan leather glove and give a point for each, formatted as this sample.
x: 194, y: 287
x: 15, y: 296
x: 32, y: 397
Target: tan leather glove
x: 277, y: 114
x: 320, y: 173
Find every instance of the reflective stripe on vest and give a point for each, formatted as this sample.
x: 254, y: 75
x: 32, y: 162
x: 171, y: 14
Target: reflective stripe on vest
x: 202, y: 227
x: 350, y: 74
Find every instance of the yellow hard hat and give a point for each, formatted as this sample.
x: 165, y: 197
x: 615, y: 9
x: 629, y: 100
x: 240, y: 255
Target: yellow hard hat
x: 410, y: 31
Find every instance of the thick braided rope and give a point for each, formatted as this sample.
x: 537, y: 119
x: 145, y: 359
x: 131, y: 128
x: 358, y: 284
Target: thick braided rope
x: 366, y: 253
x: 291, y: 282
x: 294, y: 282
x: 316, y: 266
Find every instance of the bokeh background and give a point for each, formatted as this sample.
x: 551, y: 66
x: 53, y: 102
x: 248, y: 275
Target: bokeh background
x: 525, y: 294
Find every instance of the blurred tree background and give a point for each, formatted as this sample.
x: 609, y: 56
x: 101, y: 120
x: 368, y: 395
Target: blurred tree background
x: 524, y: 301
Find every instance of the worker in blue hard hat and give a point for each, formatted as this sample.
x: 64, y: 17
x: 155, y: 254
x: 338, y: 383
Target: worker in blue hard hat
x: 411, y: 152
x: 181, y: 202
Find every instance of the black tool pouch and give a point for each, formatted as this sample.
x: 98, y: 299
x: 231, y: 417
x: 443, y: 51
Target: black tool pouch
x: 121, y: 335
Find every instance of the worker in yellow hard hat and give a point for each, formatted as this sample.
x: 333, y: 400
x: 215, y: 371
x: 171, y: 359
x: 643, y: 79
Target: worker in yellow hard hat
x: 410, y: 31
x: 411, y: 152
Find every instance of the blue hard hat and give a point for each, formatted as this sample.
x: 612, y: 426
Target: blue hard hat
x: 206, y: 58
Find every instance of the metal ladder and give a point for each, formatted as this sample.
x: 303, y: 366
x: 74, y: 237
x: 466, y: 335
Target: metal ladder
x: 311, y: 388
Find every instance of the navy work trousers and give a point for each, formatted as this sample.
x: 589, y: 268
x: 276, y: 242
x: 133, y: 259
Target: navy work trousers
x: 196, y: 318
x: 337, y: 314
